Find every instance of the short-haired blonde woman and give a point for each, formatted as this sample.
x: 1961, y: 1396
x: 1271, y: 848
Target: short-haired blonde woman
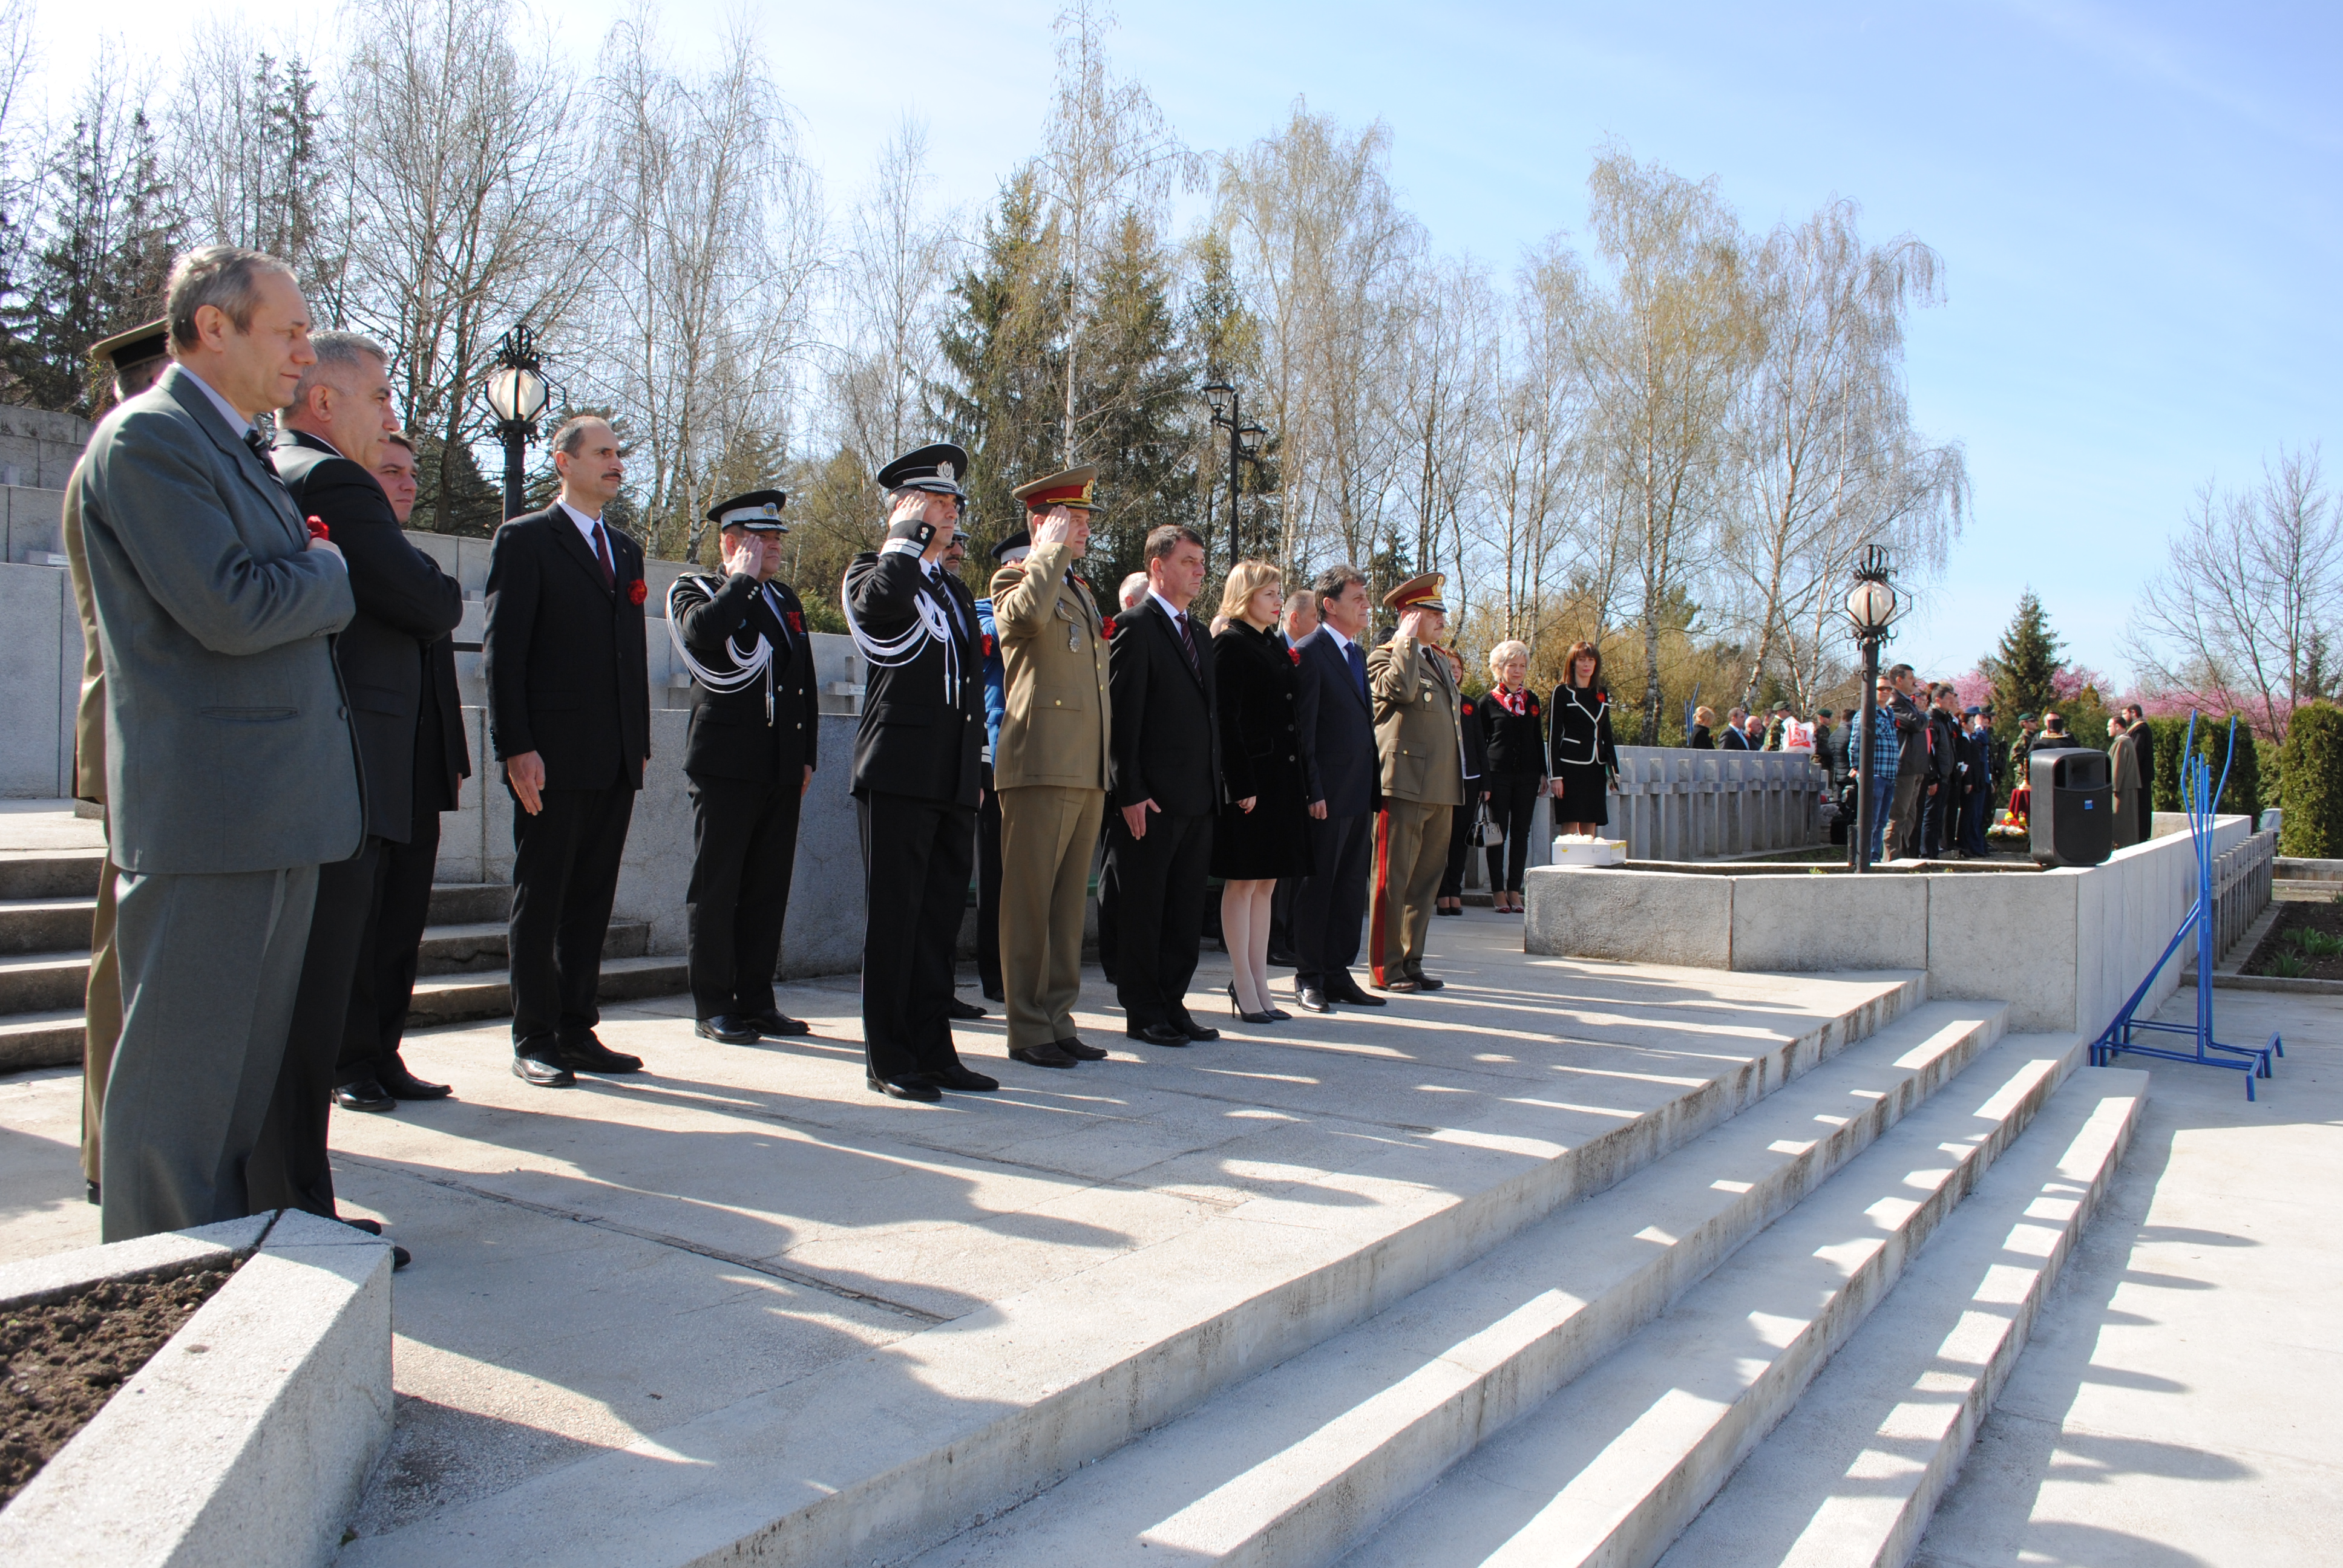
x: 1584, y: 762
x: 1512, y: 724
x: 1263, y: 833
x: 1703, y: 719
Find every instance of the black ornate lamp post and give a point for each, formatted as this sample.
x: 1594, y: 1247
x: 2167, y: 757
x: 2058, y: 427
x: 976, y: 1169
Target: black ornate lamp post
x: 518, y: 394
x: 1872, y: 607
x: 1244, y: 444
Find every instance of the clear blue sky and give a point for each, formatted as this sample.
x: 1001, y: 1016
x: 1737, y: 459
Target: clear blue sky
x: 2137, y: 207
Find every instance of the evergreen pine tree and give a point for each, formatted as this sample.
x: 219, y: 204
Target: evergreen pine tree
x: 2023, y: 669
x: 1004, y: 399
x: 1135, y: 400
x: 1224, y: 342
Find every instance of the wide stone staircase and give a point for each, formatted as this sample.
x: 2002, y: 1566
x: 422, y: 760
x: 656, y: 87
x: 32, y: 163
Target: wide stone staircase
x: 1770, y: 1345
x: 47, y: 900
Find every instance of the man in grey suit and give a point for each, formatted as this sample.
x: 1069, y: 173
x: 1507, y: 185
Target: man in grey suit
x: 230, y: 770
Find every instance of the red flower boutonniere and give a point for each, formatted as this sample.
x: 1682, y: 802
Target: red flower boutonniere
x: 1294, y: 654
x: 1110, y: 626
x: 637, y: 592
x: 317, y: 530
x: 797, y: 624
x: 1468, y: 710
x: 988, y: 645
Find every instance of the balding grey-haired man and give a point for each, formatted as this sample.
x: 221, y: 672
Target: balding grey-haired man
x: 230, y: 773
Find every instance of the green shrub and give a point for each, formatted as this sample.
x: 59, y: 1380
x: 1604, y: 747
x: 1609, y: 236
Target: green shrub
x: 2314, y: 775
x: 2270, y: 757
x: 2244, y: 795
x: 2163, y: 786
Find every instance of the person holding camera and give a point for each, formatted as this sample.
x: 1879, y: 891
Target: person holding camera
x: 914, y: 780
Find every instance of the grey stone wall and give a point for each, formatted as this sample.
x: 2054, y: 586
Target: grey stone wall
x: 38, y: 448
x: 40, y: 651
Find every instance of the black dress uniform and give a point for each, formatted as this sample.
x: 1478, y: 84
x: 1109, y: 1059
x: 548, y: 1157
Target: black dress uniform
x: 915, y: 786
x: 745, y: 757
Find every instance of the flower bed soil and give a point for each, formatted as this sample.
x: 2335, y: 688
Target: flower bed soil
x: 2326, y: 917
x: 63, y: 1360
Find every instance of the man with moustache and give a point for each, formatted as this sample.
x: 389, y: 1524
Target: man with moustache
x: 372, y: 1075
x: 231, y: 774
x: 750, y: 759
x: 569, y: 717
x: 326, y: 443
x: 915, y: 778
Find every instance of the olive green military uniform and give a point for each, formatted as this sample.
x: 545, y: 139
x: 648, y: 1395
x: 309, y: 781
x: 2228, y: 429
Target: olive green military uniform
x: 102, y: 1002
x: 1049, y: 766
x: 1420, y: 737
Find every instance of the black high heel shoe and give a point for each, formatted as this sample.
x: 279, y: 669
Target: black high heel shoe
x: 1236, y: 1012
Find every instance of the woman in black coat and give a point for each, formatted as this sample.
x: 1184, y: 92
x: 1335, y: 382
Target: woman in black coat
x: 1586, y: 762
x: 1263, y: 833
x: 1512, y: 724
x: 1702, y: 720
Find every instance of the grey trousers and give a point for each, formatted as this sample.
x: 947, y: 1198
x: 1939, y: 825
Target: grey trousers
x: 209, y: 967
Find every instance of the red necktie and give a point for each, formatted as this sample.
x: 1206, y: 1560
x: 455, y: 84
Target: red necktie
x: 602, y: 553
x: 1189, y: 643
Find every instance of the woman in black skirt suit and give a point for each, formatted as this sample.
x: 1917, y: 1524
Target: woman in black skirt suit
x: 1585, y: 763
x: 1264, y: 772
x: 1513, y: 723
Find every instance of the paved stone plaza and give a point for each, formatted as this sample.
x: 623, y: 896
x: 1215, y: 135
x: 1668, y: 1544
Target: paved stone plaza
x: 640, y: 1260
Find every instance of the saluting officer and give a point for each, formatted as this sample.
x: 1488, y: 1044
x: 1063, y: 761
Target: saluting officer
x: 915, y: 774
x: 750, y: 757
x: 1420, y: 738
x: 1050, y: 766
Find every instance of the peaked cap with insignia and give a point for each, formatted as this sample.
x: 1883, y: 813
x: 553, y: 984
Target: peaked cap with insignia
x: 1418, y: 593
x: 758, y: 511
x: 937, y: 469
x: 1074, y: 488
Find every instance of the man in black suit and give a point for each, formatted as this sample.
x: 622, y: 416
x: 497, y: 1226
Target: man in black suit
x: 382, y: 988
x: 1346, y: 771
x: 1165, y: 776
x: 323, y: 453
x: 750, y: 758
x: 569, y: 717
x: 915, y: 780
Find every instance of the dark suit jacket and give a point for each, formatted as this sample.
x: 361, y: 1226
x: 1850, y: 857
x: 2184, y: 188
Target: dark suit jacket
x: 228, y: 739
x: 564, y: 657
x: 918, y: 737
x: 405, y: 603
x: 1346, y: 771
x: 1167, y: 746
x: 733, y: 734
x: 1735, y: 741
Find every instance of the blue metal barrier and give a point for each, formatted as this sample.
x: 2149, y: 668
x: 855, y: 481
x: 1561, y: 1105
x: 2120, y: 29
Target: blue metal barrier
x: 2198, y: 800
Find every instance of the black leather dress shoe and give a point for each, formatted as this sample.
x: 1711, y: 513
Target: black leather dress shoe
x: 910, y: 1087
x: 591, y: 1055
x: 404, y: 1085
x: 962, y: 1080
x: 775, y: 1024
x: 1312, y: 999
x: 1039, y: 1056
x: 1281, y: 958
x: 93, y: 1192
x: 729, y: 1028
x: 994, y: 994
x: 1156, y: 1034
x: 543, y: 1073
x: 1194, y: 1031
x: 1074, y: 1048
x: 371, y: 1227
x: 366, y: 1094
x: 1426, y: 982
x: 959, y: 1008
x: 1349, y: 991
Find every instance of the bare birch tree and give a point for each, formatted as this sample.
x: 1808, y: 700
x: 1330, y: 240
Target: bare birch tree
x: 2251, y: 598
x: 707, y: 258
x: 468, y: 199
x: 1446, y: 375
x: 897, y: 260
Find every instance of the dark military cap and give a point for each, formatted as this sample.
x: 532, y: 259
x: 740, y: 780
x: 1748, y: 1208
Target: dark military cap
x: 124, y: 350
x: 939, y: 469
x: 1015, y: 548
x: 758, y: 511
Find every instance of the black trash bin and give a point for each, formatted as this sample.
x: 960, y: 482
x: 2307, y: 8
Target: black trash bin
x: 2072, y: 818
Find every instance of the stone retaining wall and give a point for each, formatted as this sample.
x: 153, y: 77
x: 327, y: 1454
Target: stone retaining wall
x: 1678, y: 804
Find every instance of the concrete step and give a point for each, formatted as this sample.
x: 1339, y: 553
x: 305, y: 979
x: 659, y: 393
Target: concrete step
x: 48, y: 1039
x: 471, y: 903
x: 462, y: 997
x: 1850, y: 1477
x: 51, y: 873
x: 892, y: 1453
x: 1611, y: 1469
x: 46, y: 925
x: 44, y: 983
x: 479, y: 948
x: 1304, y: 1461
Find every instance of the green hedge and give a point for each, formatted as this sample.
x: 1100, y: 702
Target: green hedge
x: 2244, y: 795
x: 2314, y: 778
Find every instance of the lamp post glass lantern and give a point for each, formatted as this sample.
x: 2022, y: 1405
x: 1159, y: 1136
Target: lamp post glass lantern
x: 518, y: 396
x: 1872, y: 607
x: 1244, y: 445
